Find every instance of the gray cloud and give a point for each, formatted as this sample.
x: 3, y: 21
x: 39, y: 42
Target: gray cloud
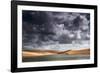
x: 44, y: 28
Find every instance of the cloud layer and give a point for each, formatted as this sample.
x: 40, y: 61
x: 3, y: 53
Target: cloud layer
x: 42, y: 28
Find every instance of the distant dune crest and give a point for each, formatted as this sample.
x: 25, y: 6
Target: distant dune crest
x: 35, y: 53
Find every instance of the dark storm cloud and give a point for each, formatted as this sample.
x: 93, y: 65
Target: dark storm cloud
x: 44, y: 28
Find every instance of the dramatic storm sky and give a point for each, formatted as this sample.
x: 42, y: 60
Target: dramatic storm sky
x: 40, y: 28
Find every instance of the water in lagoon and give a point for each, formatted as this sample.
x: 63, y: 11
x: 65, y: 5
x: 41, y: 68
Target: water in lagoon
x: 56, y: 58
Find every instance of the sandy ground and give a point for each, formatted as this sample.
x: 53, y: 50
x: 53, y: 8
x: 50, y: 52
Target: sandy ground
x: 36, y: 53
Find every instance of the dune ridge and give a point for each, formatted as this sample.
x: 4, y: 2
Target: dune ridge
x: 36, y: 53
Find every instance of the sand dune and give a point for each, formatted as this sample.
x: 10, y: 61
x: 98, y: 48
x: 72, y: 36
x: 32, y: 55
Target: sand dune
x: 78, y: 52
x: 36, y: 53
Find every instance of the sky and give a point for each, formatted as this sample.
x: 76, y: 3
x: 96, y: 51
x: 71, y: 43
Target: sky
x: 45, y: 28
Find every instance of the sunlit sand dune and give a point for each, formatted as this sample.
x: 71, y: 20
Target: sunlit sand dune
x: 78, y: 52
x: 36, y: 53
